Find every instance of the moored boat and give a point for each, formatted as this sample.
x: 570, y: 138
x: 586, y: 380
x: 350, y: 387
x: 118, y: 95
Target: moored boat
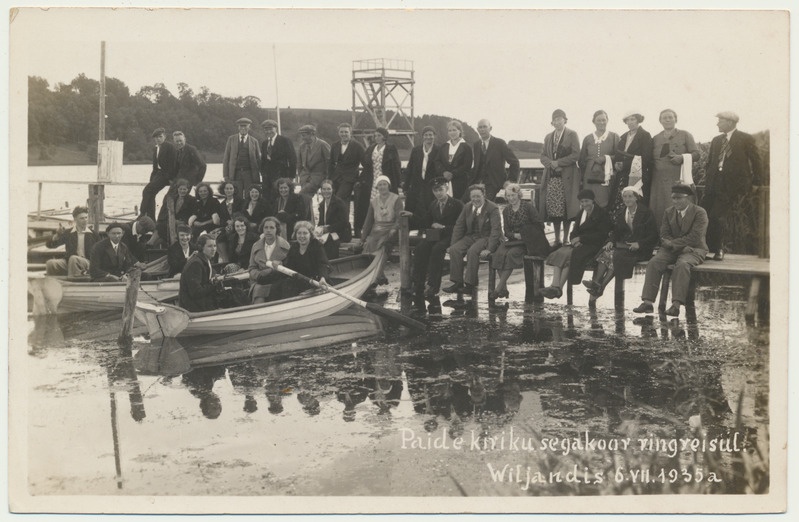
x: 352, y: 275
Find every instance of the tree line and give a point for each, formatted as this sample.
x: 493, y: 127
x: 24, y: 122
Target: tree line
x: 63, y: 120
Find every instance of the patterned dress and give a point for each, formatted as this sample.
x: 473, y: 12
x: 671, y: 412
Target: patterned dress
x: 377, y: 161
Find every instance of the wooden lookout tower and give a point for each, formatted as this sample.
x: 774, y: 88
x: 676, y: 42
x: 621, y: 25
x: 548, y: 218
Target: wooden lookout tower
x: 382, y: 96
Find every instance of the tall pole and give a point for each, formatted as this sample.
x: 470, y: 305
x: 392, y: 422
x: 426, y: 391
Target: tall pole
x: 102, y: 92
x: 277, y: 98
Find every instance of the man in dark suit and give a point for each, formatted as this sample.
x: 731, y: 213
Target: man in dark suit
x: 162, y: 175
x: 189, y: 165
x: 312, y: 161
x: 278, y: 158
x: 733, y: 168
x: 241, y: 162
x: 490, y: 156
x: 79, y: 242
x: 198, y: 288
x: 476, y: 235
x: 110, y: 257
x: 136, y: 236
x: 428, y: 257
x: 419, y: 178
x: 345, y: 162
x: 682, y: 243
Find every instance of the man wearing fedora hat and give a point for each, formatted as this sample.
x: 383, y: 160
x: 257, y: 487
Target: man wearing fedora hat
x: 241, y: 162
x: 733, y: 168
x: 682, y: 243
x: 313, y: 160
x: 278, y: 158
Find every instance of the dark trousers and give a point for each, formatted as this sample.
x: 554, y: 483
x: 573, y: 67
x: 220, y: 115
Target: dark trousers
x: 343, y: 189
x: 714, y: 237
x: 244, y: 179
x: 428, y: 262
x: 362, y: 201
x: 158, y: 180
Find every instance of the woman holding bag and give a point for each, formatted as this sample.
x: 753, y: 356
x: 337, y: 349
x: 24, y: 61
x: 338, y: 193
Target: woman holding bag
x: 596, y: 158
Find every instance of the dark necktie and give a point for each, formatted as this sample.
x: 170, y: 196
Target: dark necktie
x: 474, y: 222
x: 242, y: 141
x: 679, y: 220
x: 269, y: 148
x: 484, y: 147
x: 725, y: 149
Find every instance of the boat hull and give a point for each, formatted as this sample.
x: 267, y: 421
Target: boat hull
x: 166, y: 320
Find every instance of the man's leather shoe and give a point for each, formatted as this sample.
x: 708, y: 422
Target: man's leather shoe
x: 454, y: 287
x: 468, y: 289
x: 590, y: 285
x: 719, y: 256
x: 673, y: 310
x: 644, y: 308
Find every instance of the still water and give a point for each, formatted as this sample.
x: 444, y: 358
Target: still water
x: 552, y: 400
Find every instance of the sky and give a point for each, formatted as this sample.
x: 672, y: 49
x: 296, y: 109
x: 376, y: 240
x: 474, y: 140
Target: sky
x: 513, y: 67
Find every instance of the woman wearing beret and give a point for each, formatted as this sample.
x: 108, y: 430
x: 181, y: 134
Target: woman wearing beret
x: 596, y: 158
x: 454, y: 161
x: 673, y: 150
x: 524, y: 235
x: 633, y: 158
x: 591, y: 228
x: 632, y: 239
x: 560, y: 183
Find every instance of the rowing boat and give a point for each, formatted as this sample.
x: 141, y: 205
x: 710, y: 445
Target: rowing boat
x: 55, y: 294
x: 352, y: 275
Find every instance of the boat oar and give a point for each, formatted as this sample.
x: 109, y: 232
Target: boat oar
x: 372, y: 307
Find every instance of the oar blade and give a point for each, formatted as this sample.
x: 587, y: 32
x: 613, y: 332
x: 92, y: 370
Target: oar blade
x: 395, y: 316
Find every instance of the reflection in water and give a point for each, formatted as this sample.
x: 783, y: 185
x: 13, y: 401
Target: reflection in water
x: 542, y: 370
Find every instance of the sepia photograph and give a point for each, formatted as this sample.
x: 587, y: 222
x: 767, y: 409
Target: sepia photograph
x: 327, y: 261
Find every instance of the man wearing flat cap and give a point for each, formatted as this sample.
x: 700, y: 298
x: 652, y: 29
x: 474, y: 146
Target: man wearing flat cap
x: 733, y: 168
x: 682, y: 243
x: 313, y: 160
x: 278, y: 158
x: 241, y: 163
x: 437, y: 224
x: 162, y: 175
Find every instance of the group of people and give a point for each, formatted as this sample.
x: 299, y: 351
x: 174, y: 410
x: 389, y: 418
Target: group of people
x: 612, y: 200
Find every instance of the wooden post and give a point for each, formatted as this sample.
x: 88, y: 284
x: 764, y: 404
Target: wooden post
x: 39, y: 202
x: 131, y: 294
x: 763, y: 221
x: 96, y: 205
x: 171, y: 225
x: 533, y: 279
x: 405, y: 253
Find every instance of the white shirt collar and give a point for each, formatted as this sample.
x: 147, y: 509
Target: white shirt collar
x: 729, y: 134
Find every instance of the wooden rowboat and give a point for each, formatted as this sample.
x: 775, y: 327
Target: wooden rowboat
x: 55, y: 294
x: 352, y: 275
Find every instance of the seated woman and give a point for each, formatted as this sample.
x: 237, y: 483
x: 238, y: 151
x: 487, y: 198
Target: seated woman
x: 334, y: 221
x: 591, y: 228
x: 206, y: 215
x: 256, y: 208
x: 524, y: 235
x: 382, y: 222
x: 231, y: 205
x: 240, y: 243
x: 185, y: 207
x: 198, y: 288
x: 270, y: 247
x: 288, y: 206
x: 179, y: 252
x: 631, y: 240
x: 306, y: 257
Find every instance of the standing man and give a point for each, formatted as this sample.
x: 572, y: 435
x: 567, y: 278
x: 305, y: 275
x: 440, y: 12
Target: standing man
x: 110, y: 257
x: 733, y: 168
x: 476, y: 235
x: 421, y: 177
x: 490, y: 156
x: 313, y: 160
x: 189, y: 165
x: 278, y: 158
x: 682, y: 243
x: 241, y: 162
x: 78, y: 242
x: 439, y: 222
x: 162, y: 175
x: 345, y: 161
